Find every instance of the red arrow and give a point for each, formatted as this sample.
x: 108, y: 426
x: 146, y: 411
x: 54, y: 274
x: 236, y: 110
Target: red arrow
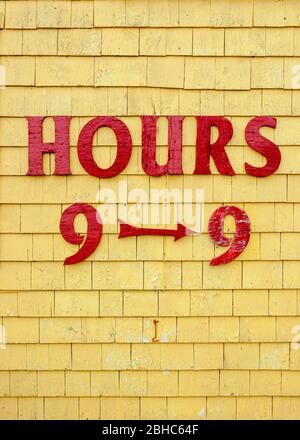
x: 131, y: 231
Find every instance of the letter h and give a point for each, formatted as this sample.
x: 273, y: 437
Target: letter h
x: 60, y: 147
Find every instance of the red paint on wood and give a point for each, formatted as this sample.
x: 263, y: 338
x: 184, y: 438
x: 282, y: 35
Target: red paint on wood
x: 205, y: 149
x: 131, y: 231
x: 155, y: 338
x: 241, y: 237
x: 36, y: 146
x: 85, y: 146
x: 93, y: 234
x: 149, y: 162
x: 263, y: 146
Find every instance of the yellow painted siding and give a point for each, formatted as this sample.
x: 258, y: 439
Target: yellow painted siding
x: 77, y: 337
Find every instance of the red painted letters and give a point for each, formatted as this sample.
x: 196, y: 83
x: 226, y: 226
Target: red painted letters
x: 85, y: 146
x: 204, y: 148
x: 36, y: 146
x: 262, y: 145
x: 149, y: 163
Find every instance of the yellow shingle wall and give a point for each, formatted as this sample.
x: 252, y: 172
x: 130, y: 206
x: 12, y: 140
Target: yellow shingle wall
x: 76, y: 335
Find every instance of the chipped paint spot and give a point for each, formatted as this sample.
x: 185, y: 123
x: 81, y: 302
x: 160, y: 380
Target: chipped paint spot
x: 202, y: 413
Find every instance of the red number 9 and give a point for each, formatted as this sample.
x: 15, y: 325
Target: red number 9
x: 93, y: 234
x: 241, y: 237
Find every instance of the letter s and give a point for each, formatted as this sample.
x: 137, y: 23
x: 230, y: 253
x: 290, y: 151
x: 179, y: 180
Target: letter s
x: 263, y: 146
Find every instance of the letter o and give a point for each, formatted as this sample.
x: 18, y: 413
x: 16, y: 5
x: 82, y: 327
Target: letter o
x: 85, y: 146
